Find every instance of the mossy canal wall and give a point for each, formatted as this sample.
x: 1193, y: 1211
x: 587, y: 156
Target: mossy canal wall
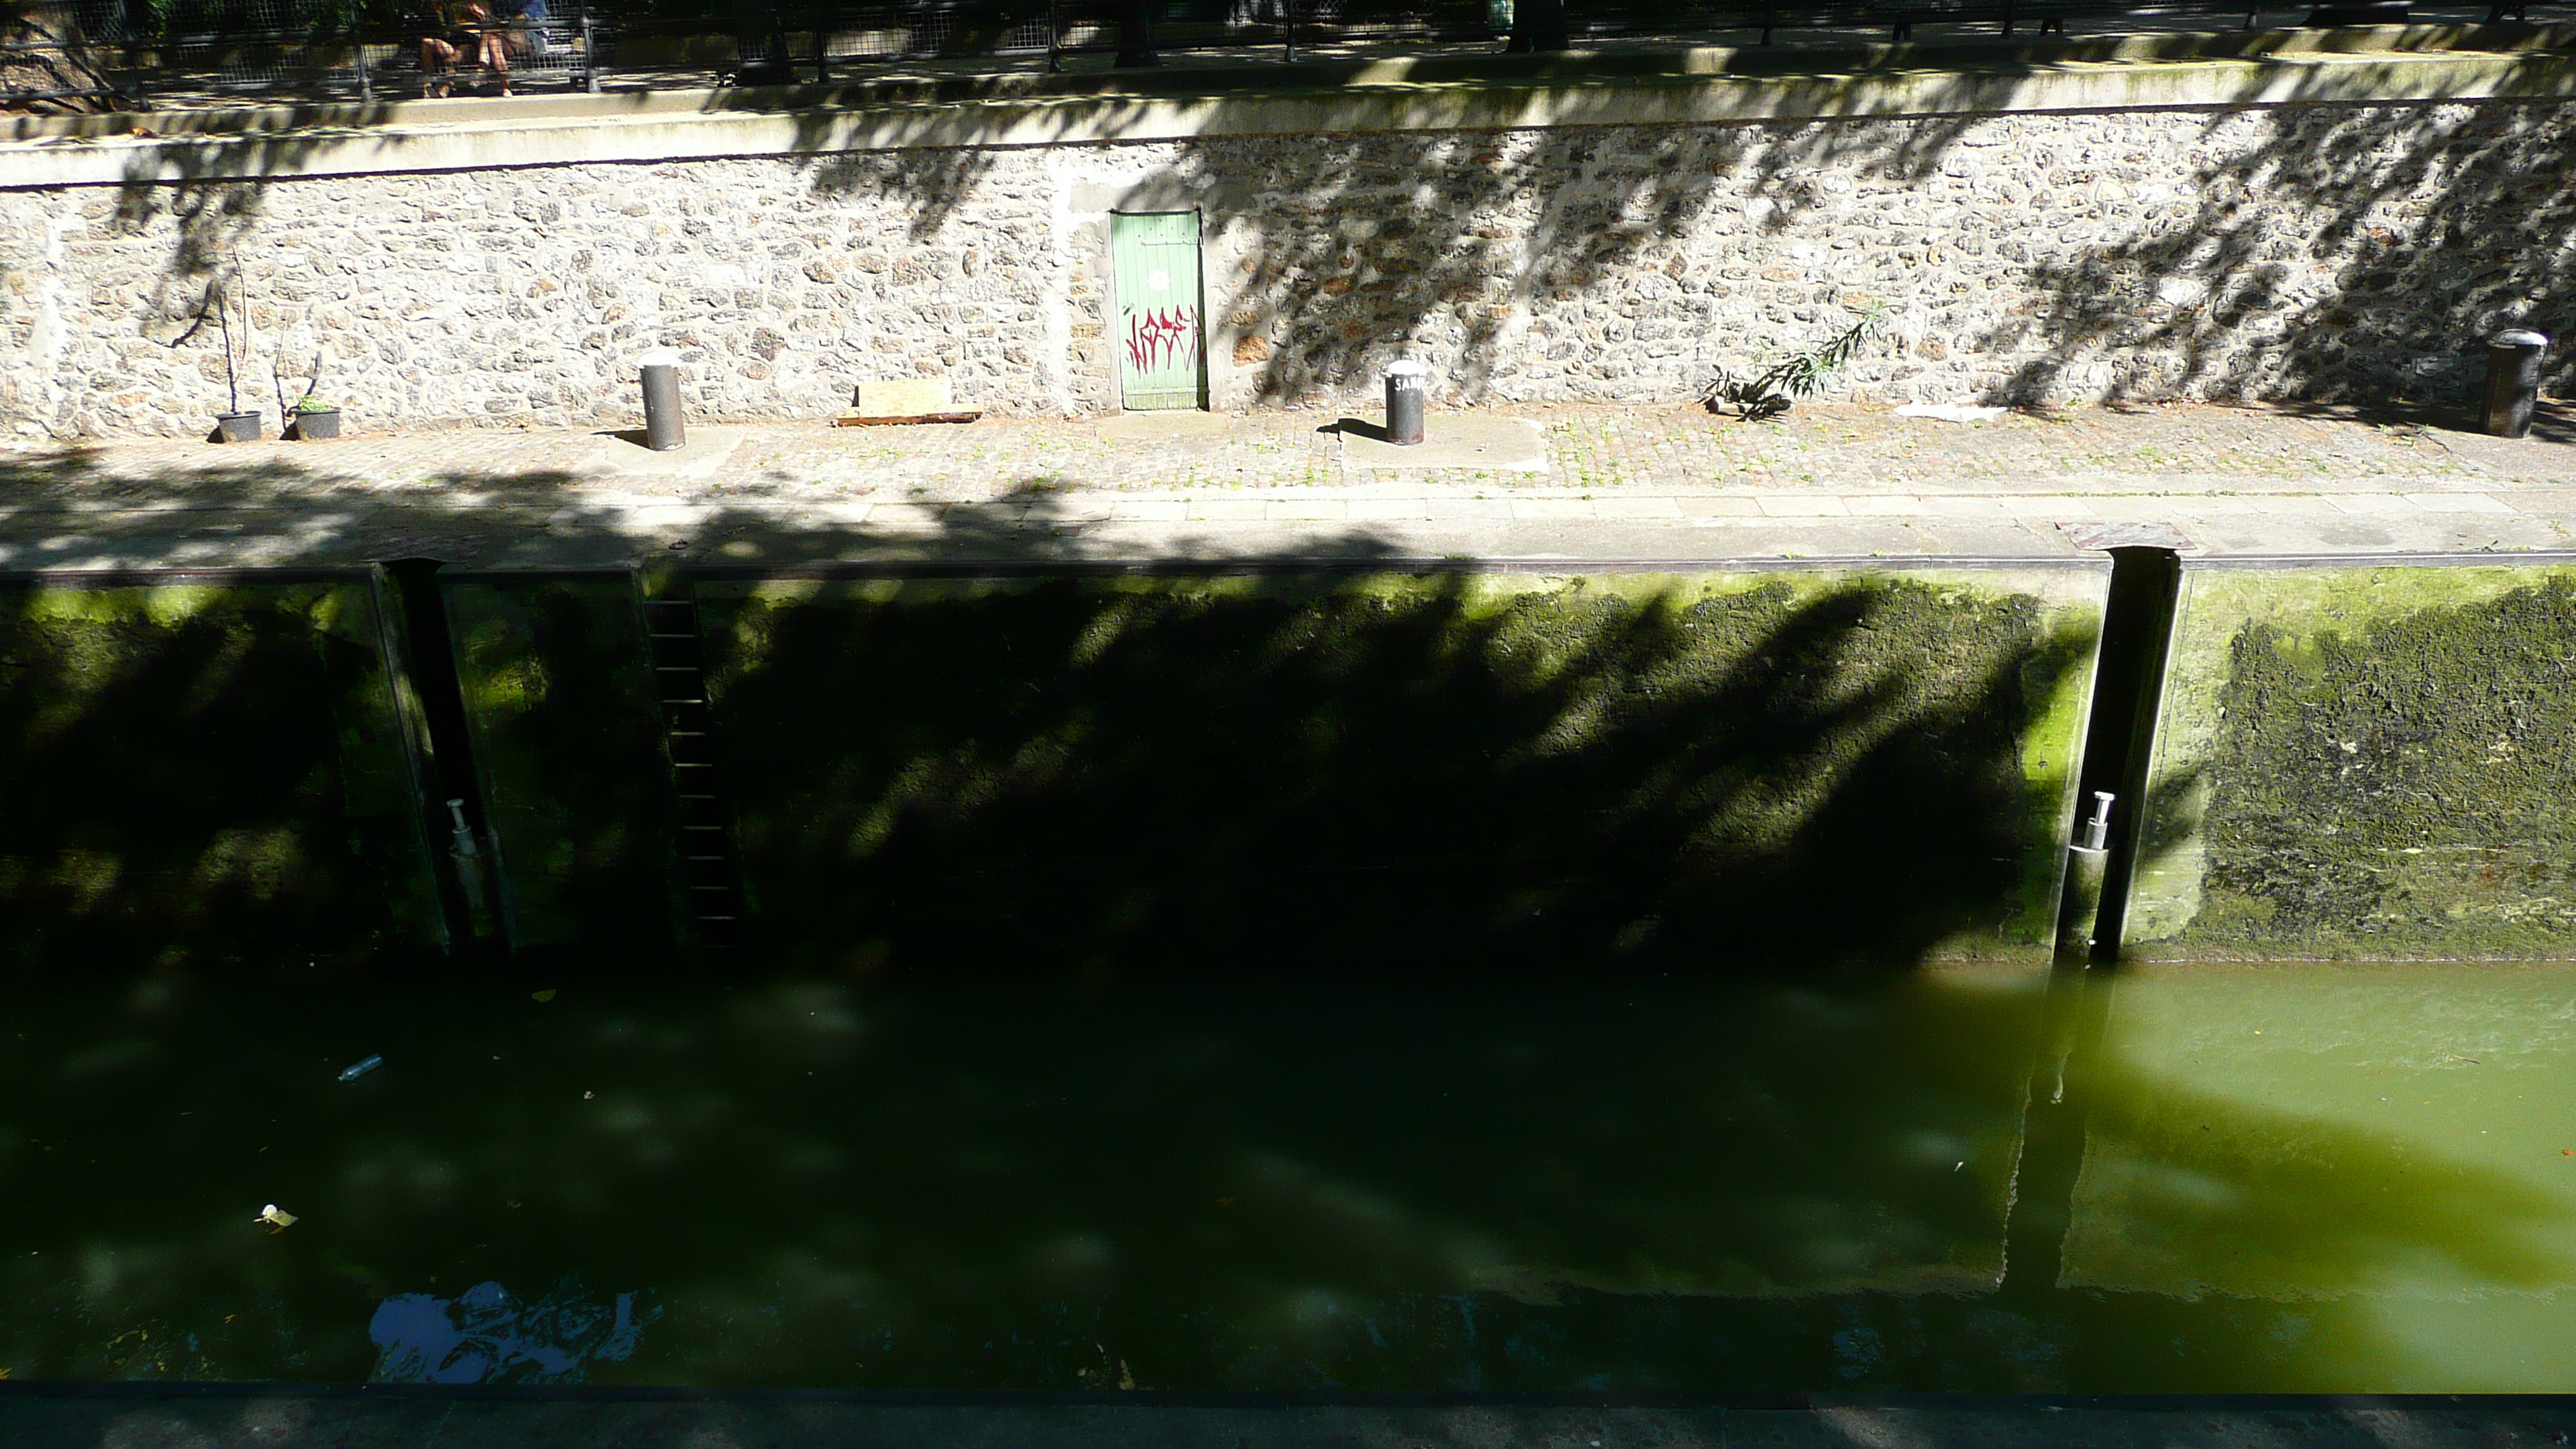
x: 1302, y: 769
x: 2367, y: 763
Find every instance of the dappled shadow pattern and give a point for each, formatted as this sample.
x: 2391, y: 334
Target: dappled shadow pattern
x: 2359, y: 253
x: 1418, y: 773
x: 1519, y: 262
x: 568, y: 753
x: 203, y: 775
x: 1320, y: 1181
x: 943, y: 1181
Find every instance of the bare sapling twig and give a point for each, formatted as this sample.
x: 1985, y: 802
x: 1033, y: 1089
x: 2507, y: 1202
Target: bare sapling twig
x: 311, y: 391
x: 224, y: 320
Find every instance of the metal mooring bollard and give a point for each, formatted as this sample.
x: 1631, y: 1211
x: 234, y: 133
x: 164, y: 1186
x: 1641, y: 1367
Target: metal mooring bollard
x: 2081, y: 902
x: 1405, y: 384
x: 663, y: 429
x: 2513, y: 381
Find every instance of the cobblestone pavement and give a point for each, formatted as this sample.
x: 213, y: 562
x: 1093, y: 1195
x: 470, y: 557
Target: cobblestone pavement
x: 1568, y: 481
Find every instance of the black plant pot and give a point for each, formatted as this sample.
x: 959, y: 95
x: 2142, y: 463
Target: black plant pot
x: 239, y: 427
x: 316, y: 425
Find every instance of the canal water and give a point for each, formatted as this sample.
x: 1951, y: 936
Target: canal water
x: 2279, y: 1177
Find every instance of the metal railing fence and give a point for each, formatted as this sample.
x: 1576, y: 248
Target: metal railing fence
x: 145, y: 53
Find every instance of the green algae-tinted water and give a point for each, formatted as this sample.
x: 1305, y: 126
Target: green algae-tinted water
x: 1029, y: 1181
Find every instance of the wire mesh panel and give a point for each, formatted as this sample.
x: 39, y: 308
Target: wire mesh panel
x: 190, y: 49
x: 904, y: 31
x: 482, y: 47
x: 95, y: 54
x: 62, y: 56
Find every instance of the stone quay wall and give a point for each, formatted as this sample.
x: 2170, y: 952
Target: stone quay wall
x: 2320, y: 251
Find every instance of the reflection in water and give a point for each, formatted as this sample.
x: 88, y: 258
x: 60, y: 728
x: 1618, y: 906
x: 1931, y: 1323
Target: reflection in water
x: 1505, y: 1183
x: 486, y: 1336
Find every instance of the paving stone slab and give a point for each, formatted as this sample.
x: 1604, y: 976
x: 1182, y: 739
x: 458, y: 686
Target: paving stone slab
x: 1660, y: 481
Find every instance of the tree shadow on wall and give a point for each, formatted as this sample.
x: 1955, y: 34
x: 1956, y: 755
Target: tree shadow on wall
x: 1449, y: 249
x: 2346, y: 252
x: 209, y: 767
x: 1367, y: 772
x: 1546, y: 227
x: 1491, y: 242
x: 2412, y: 233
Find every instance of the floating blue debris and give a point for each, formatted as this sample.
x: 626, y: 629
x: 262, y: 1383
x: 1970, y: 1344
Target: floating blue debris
x: 362, y: 1068
x: 485, y: 1335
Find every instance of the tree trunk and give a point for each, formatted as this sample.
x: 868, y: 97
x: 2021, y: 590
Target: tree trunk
x: 1136, y: 33
x: 1538, y: 27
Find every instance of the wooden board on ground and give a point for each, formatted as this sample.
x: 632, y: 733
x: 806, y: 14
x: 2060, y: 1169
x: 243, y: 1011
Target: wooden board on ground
x: 862, y: 420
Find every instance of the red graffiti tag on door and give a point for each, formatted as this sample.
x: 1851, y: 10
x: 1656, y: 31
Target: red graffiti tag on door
x: 1163, y: 338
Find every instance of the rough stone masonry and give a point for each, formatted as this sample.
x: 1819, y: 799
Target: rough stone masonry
x: 2308, y: 251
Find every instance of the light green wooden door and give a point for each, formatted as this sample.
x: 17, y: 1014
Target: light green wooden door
x: 1160, y: 361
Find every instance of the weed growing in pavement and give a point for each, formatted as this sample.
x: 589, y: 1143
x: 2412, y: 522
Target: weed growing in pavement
x: 1770, y: 392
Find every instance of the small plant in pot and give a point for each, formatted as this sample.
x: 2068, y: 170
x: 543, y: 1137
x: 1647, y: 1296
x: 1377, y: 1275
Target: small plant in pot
x: 313, y: 420
x: 307, y: 419
x: 235, y: 426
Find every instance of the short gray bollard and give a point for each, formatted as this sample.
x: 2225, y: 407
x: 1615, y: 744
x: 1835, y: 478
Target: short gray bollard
x: 663, y: 429
x: 2513, y: 381
x: 1406, y: 382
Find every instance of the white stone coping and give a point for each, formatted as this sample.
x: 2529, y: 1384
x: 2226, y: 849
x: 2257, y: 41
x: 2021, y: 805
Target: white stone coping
x: 656, y: 128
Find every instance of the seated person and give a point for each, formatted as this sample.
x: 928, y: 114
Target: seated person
x: 524, y: 23
x: 463, y: 28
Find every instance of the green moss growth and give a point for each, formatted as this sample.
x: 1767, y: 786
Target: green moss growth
x: 1669, y: 771
x: 2368, y: 764
x: 204, y: 774
x: 568, y: 747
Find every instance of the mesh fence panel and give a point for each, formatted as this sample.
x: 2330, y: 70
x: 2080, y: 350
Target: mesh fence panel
x: 64, y: 52
x: 166, y: 52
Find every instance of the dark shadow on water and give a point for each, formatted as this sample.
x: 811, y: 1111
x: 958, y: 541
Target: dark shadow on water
x: 1312, y: 980
x: 1301, y: 1181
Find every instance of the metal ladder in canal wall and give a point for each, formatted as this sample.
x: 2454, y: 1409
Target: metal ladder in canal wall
x: 710, y: 874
